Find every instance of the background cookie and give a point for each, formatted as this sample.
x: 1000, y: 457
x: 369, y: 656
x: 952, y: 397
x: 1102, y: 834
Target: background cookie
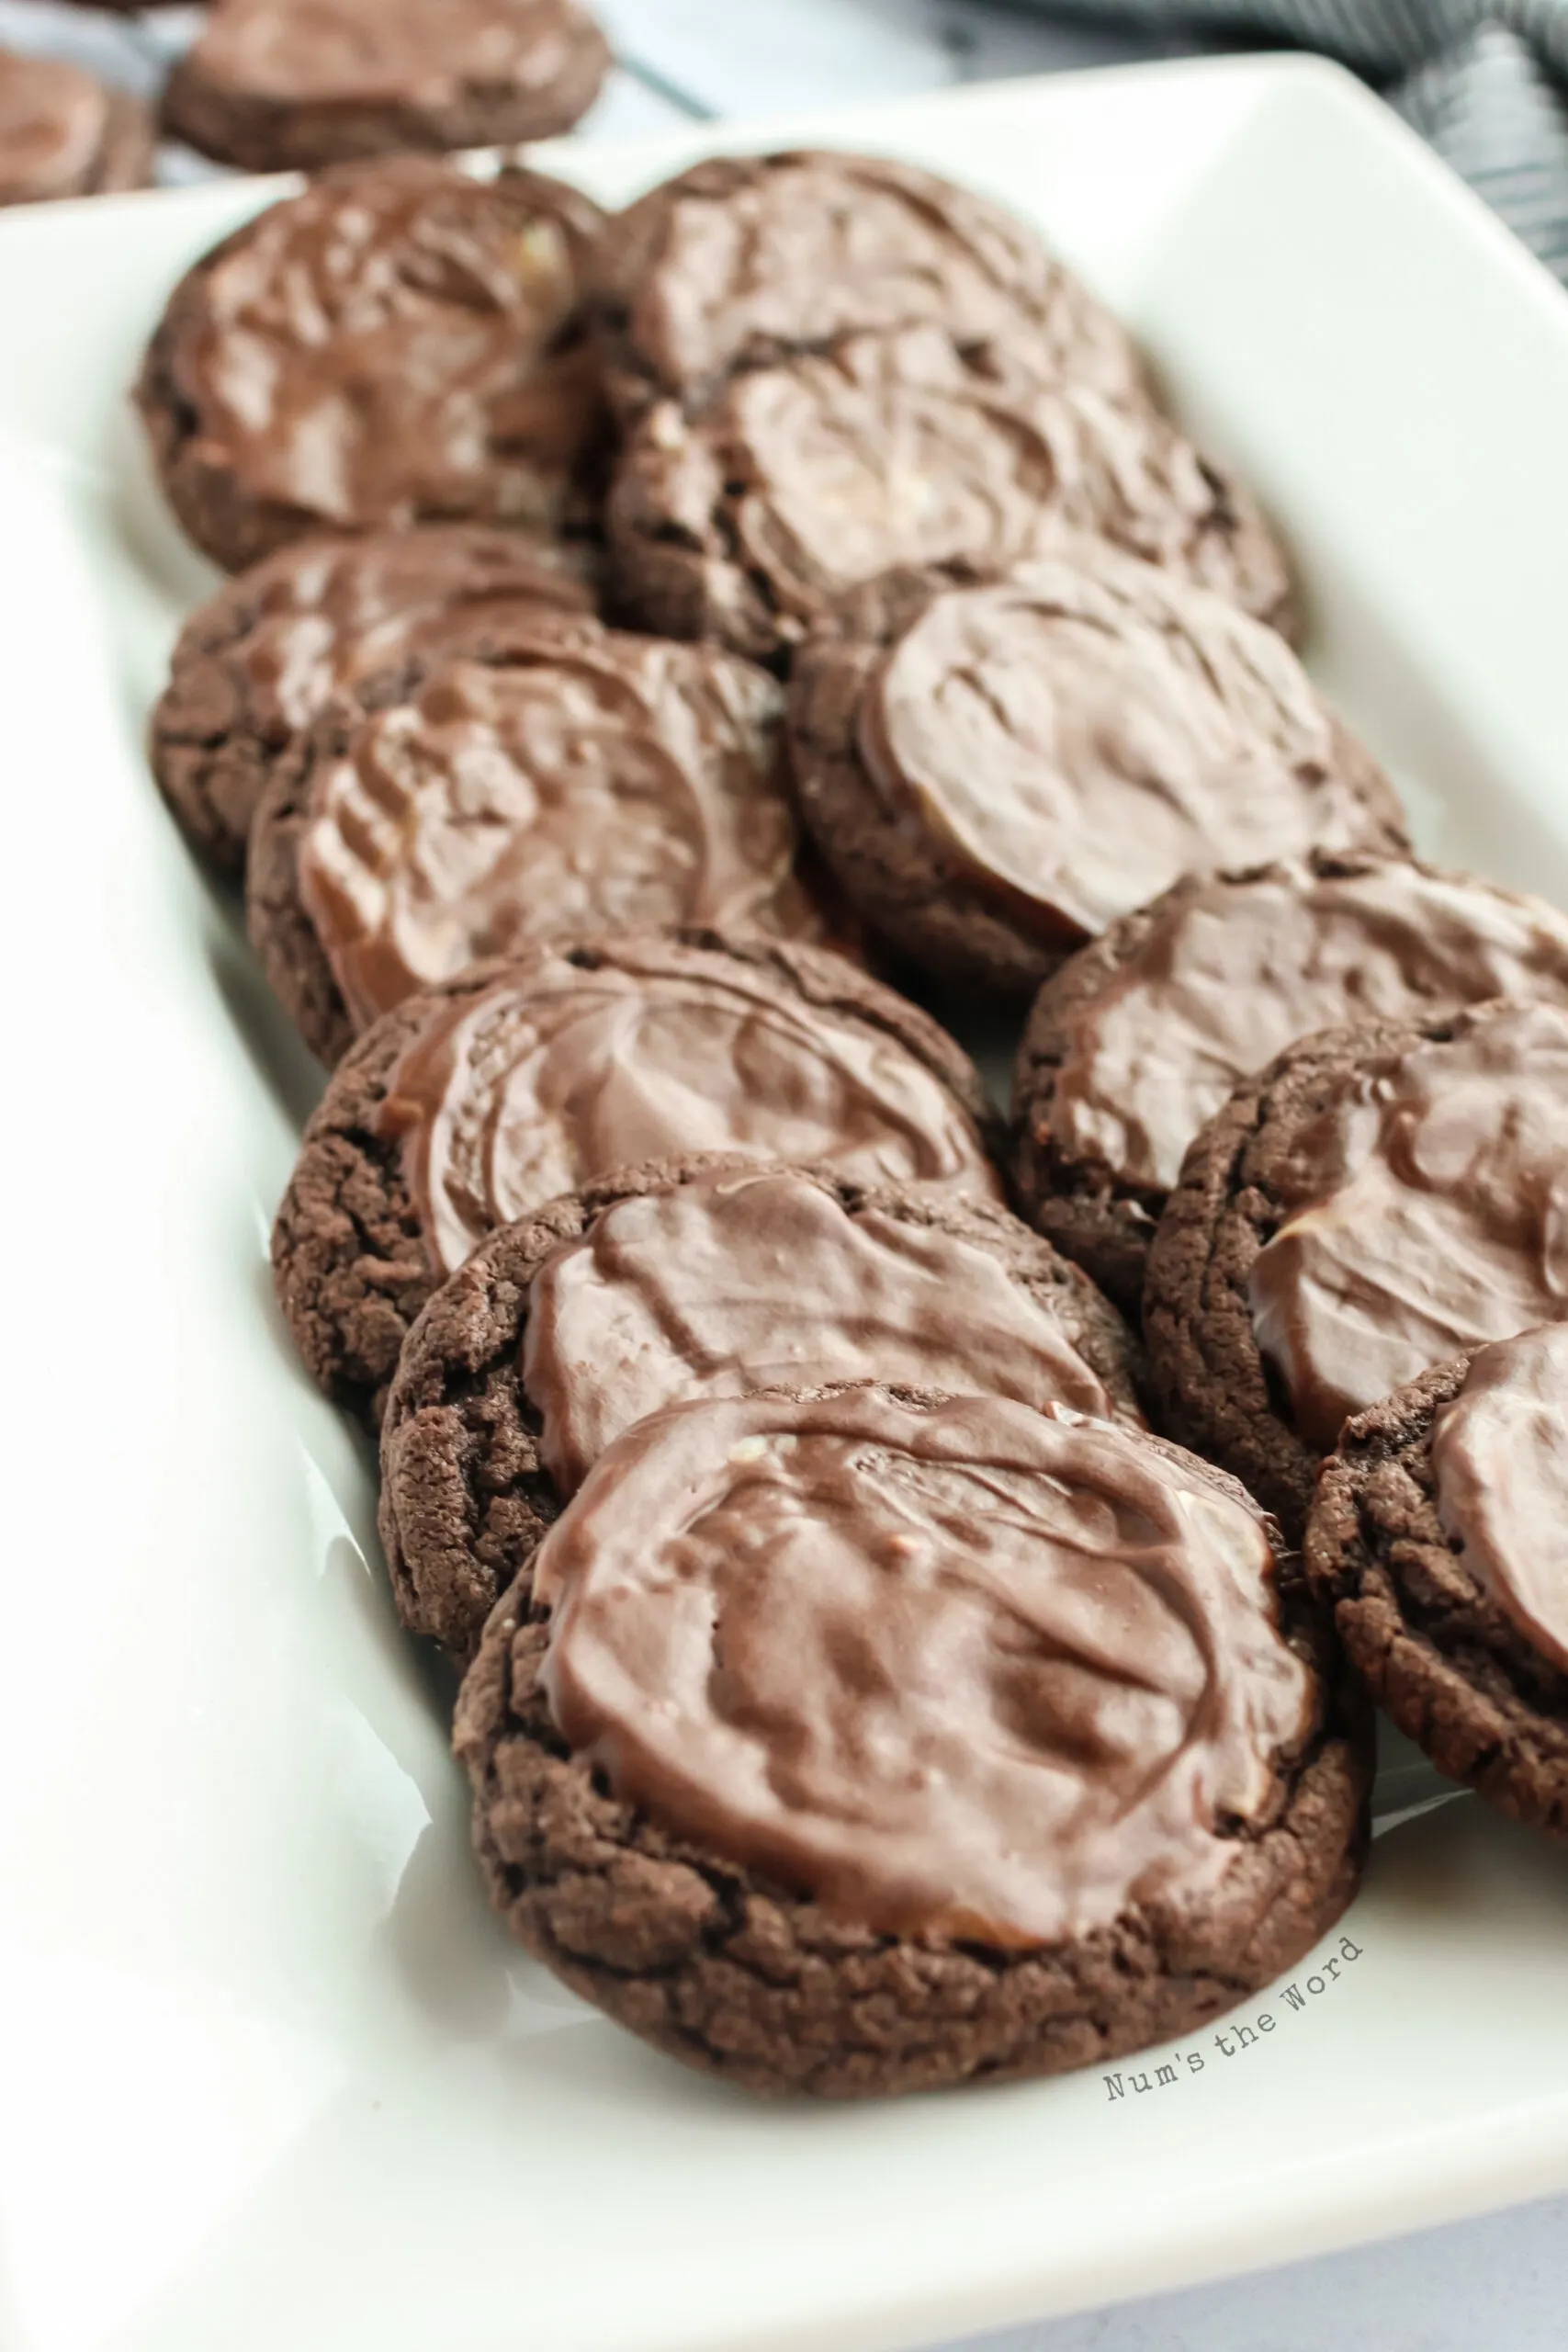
x: 996, y: 769
x: 431, y: 1131
x: 398, y: 343
x: 747, y: 514
x: 936, y: 1888
x: 699, y: 1277
x: 1377, y: 1199
x: 743, y: 260
x: 287, y: 85
x: 65, y: 134
x: 1437, y: 1535
x: 1135, y: 1043
x: 541, y: 777
x: 262, y: 659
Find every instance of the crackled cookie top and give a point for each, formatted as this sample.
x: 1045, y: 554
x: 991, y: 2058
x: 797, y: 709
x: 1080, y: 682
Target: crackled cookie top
x: 823, y: 471
x: 743, y: 258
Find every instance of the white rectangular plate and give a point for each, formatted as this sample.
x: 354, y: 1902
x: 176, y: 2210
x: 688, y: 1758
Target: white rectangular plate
x: 270, y: 2076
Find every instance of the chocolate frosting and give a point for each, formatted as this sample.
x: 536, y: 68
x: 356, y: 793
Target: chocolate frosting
x: 902, y: 449
x: 1224, y: 980
x: 573, y: 1069
x: 1080, y: 734
x: 400, y: 342
x: 743, y: 258
x: 584, y: 780
x: 745, y: 1281
x: 53, y: 121
x: 1427, y: 1211
x: 1500, y: 1456
x: 973, y: 1671
x: 384, y: 51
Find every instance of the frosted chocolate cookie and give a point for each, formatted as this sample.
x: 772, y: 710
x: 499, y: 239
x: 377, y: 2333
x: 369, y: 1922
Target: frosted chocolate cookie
x: 1440, y: 1535
x: 65, y: 134
x: 998, y: 771
x: 1376, y: 1201
x: 745, y: 260
x: 275, y: 85
x: 701, y: 1278
x: 1135, y: 1042
x: 806, y: 1762
x: 398, y: 343
x: 748, y: 513
x: 258, y: 663
x: 554, y: 780
x: 479, y: 1102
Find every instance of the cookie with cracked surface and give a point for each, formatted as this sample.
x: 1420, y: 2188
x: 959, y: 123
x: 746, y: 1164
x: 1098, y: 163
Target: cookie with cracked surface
x: 479, y: 1102
x: 744, y: 260
x: 710, y: 1277
x: 540, y: 777
x: 877, y: 1790
x: 1377, y: 1200
x: 996, y: 770
x: 277, y: 85
x: 63, y: 133
x: 262, y: 659
x: 1438, y: 1537
x: 1134, y: 1044
x: 400, y: 343
x: 747, y: 514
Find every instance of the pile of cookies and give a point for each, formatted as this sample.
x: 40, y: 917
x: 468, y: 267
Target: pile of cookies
x: 908, y: 1633
x: 275, y: 86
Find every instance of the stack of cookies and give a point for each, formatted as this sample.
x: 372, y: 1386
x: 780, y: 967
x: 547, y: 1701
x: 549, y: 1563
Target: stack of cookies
x: 273, y: 85
x: 901, y: 1645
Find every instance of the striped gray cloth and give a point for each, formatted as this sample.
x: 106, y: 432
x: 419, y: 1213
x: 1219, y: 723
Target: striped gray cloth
x: 1487, y: 84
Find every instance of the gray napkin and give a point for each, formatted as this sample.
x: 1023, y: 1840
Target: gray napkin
x: 1486, y: 84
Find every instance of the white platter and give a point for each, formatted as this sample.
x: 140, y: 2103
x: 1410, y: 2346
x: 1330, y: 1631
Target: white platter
x: 270, y: 2077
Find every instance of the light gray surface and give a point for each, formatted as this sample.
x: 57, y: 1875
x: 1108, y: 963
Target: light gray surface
x: 1497, y: 2285
x: 1488, y: 2286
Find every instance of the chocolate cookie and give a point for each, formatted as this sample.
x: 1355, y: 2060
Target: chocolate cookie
x: 1377, y: 1200
x: 1137, y: 1040
x: 276, y: 85
x: 548, y: 779
x: 479, y: 1102
x: 65, y: 134
x: 997, y: 771
x: 803, y: 1760
x: 399, y: 343
x: 713, y: 1278
x: 1438, y: 1535
x: 745, y: 260
x: 747, y: 514
x: 264, y: 658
